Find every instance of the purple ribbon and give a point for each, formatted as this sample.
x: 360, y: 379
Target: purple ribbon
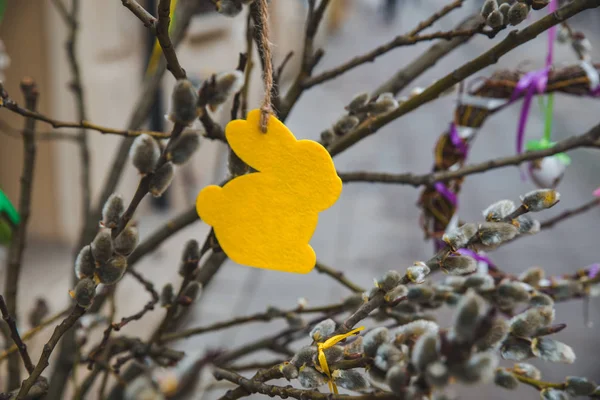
x: 447, y: 193
x: 593, y: 270
x: 457, y: 141
x: 476, y: 256
x: 533, y: 83
x: 596, y: 192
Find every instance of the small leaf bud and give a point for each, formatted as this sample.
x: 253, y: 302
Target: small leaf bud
x: 413, y: 330
x: 532, y: 276
x: 459, y: 237
x: 396, y: 294
x: 167, y: 295
x: 458, y: 265
x: 355, y: 347
x: 345, y: 124
x: 528, y: 225
x: 304, y: 356
x: 183, y: 148
x: 111, y: 271
x: 144, y: 153
x: 425, y: 351
x: 503, y: 8
x: 84, y: 292
x: 288, y: 370
x: 516, y: 349
x: 102, y: 247
x: 112, y: 211
x: 192, y: 291
x: 397, y: 378
x: 495, y: 20
x: 322, y: 330
x: 437, y: 374
x: 541, y: 299
x: 226, y: 84
x: 310, y: 378
x: 479, y: 369
x: 499, y: 210
x: 350, y: 379
x: 527, y: 323
x: 161, y: 180
x: 184, y: 100
x: 479, y: 282
x: 527, y: 370
x: 418, y: 272
x: 390, y: 280
x: 127, y: 241
x: 495, y: 335
x: 505, y: 379
x: 420, y: 294
x: 84, y: 263
x: 517, y: 13
x: 578, y: 386
x: 467, y: 316
x: 375, y: 338
x: 554, y: 394
x: 488, y: 7
x: 515, y: 291
x: 387, y: 355
x: 541, y: 199
x: 494, y: 233
x: 552, y: 350
x: 358, y: 102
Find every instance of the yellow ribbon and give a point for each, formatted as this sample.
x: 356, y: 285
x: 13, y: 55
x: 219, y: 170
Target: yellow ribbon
x: 157, y: 50
x: 332, y: 341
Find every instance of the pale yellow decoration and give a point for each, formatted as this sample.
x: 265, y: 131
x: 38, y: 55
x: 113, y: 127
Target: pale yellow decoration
x: 265, y: 219
x: 332, y: 341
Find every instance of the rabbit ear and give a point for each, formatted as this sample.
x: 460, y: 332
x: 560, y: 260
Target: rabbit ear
x: 262, y: 151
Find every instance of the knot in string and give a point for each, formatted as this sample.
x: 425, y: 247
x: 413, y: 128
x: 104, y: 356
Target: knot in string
x: 332, y: 341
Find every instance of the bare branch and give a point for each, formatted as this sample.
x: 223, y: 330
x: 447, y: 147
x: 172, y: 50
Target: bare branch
x: 549, y: 223
x: 162, y: 34
x: 14, y: 333
x: 141, y: 13
x: 338, y: 276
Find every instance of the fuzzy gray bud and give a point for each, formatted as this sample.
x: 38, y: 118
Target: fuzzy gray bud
x: 127, y: 241
x: 532, y: 276
x: 514, y: 291
x: 527, y: 323
x: 554, y: 394
x: 541, y: 299
x: 420, y: 294
x: 167, y: 295
x: 387, y: 355
x: 467, y: 316
x: 84, y: 263
x: 504, y: 8
x: 397, y: 378
x: 112, y: 211
x: 488, y: 7
x: 413, y: 330
x: 425, y: 351
x: 578, y: 386
x: 322, y: 330
x: 528, y: 225
x: 161, y: 180
x: 102, y: 247
x: 437, y: 374
x: 358, y: 102
x: 541, y: 199
x: 418, y: 272
x: 310, y: 378
x: 479, y: 369
x: 459, y: 237
x: 499, y: 210
x: 375, y: 338
x: 350, y: 379
x: 384, y: 103
x: 184, y: 100
x: 304, y: 356
x: 552, y: 350
x: 84, y: 292
x: 183, y: 148
x: 345, y: 124
x: 458, y: 265
x: 111, y: 271
x: 496, y: 334
x: 516, y: 349
x: 192, y: 291
x: 517, y: 13
x: 479, y: 282
x: 226, y: 84
x: 327, y: 137
x: 288, y: 370
x: 390, y: 280
x: 144, y: 153
x: 355, y: 347
x: 396, y: 294
x: 505, y: 379
x: 495, y: 20
x: 494, y: 233
x: 527, y: 370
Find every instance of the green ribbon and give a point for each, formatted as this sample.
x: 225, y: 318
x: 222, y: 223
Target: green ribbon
x: 2, y: 9
x: 545, y: 142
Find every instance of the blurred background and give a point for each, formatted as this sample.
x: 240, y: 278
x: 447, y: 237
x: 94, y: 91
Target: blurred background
x: 371, y: 229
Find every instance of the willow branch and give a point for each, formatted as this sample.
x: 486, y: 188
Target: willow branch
x: 140, y: 12
x: 588, y: 139
x: 43, y: 362
x: 436, y: 16
x: 258, y: 317
x: 514, y: 39
x: 19, y: 237
x: 14, y: 333
x: 549, y: 223
x: 338, y: 276
x: 162, y: 34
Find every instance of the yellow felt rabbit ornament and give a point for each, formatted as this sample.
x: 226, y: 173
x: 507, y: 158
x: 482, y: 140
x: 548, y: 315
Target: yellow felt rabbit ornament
x: 265, y: 219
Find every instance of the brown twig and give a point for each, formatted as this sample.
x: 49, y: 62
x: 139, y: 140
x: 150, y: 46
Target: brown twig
x: 130, y: 133
x: 162, y: 34
x: 514, y: 39
x: 435, y: 17
x: 549, y: 223
x: 14, y: 333
x: 141, y: 13
x: 255, y: 386
x: 428, y: 59
x: 242, y: 65
x: 310, y: 57
x: 338, y: 276
x: 43, y: 362
x: 33, y: 331
x: 588, y: 139
x: 258, y: 317
x: 398, y: 41
x: 19, y: 237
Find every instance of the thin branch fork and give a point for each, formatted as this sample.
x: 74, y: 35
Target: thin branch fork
x: 549, y: 223
x: 588, y: 139
x: 14, y: 333
x: 514, y: 39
